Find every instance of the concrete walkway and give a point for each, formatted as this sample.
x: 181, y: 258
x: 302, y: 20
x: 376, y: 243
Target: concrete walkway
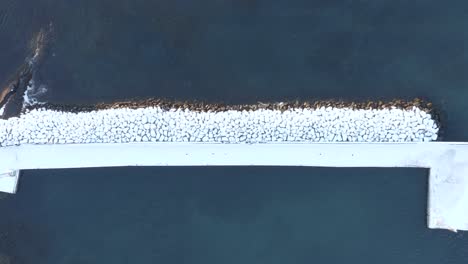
x: 9, y: 181
x: 447, y: 161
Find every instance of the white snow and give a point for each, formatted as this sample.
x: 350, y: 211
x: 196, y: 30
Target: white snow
x: 260, y: 126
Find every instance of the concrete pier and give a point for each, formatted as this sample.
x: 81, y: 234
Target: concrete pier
x: 9, y: 181
x: 447, y: 162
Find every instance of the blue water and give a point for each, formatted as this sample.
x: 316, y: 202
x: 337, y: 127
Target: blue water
x: 235, y: 51
x: 225, y: 215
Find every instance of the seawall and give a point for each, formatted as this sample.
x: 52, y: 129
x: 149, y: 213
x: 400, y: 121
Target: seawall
x: 446, y: 161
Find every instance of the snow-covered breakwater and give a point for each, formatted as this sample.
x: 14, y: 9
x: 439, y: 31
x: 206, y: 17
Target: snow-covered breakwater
x: 157, y: 124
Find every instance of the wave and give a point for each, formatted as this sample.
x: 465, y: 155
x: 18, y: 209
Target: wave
x: 32, y: 93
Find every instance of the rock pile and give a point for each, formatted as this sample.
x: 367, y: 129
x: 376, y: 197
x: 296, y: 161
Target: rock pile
x: 262, y: 125
x: 220, y: 107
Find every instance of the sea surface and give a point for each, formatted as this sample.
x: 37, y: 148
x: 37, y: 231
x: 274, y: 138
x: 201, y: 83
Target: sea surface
x: 235, y: 51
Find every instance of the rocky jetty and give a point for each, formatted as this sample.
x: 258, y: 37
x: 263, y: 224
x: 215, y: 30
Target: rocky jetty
x: 162, y: 121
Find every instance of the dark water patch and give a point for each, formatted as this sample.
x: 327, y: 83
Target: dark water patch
x: 22, y: 242
x: 5, y: 13
x: 8, y: 12
x: 20, y: 21
x: 228, y: 215
x: 12, y: 94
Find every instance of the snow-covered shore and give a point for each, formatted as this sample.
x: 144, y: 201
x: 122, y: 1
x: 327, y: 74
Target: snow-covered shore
x: 154, y: 124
